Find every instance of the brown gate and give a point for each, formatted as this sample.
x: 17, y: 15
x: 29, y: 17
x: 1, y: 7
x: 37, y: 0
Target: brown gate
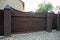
x: 26, y: 22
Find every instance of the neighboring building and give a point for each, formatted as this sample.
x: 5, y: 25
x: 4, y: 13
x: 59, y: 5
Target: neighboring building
x: 16, y: 4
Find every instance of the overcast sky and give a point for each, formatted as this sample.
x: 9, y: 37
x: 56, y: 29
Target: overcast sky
x: 31, y: 5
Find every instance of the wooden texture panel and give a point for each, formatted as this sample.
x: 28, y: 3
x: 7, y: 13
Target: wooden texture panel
x: 54, y: 21
x: 58, y: 22
x: 27, y: 24
x: 1, y: 22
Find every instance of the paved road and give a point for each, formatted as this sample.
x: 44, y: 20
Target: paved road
x: 42, y: 35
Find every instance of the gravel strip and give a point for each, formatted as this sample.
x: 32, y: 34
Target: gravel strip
x: 42, y: 35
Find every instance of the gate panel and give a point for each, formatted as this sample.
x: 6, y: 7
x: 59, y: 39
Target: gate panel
x: 1, y: 22
x: 28, y: 23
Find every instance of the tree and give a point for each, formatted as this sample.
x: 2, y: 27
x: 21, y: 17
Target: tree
x: 44, y: 8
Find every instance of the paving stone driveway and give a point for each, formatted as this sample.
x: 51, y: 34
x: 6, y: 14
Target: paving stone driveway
x: 42, y: 35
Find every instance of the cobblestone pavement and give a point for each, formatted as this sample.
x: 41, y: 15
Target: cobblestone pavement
x: 42, y: 35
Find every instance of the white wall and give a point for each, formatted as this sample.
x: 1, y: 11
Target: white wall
x: 16, y: 4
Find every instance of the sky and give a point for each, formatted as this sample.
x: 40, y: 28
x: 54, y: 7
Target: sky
x: 32, y: 5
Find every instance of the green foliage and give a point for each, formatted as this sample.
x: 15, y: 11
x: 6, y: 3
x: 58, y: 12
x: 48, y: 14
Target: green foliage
x: 44, y: 8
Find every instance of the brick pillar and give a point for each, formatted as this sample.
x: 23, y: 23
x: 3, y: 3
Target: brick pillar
x: 49, y: 22
x: 7, y: 21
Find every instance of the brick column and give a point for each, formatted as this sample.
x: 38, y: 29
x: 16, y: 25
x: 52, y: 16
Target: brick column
x: 7, y: 21
x: 49, y: 22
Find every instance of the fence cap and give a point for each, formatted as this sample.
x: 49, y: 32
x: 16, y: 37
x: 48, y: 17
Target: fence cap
x: 7, y: 7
